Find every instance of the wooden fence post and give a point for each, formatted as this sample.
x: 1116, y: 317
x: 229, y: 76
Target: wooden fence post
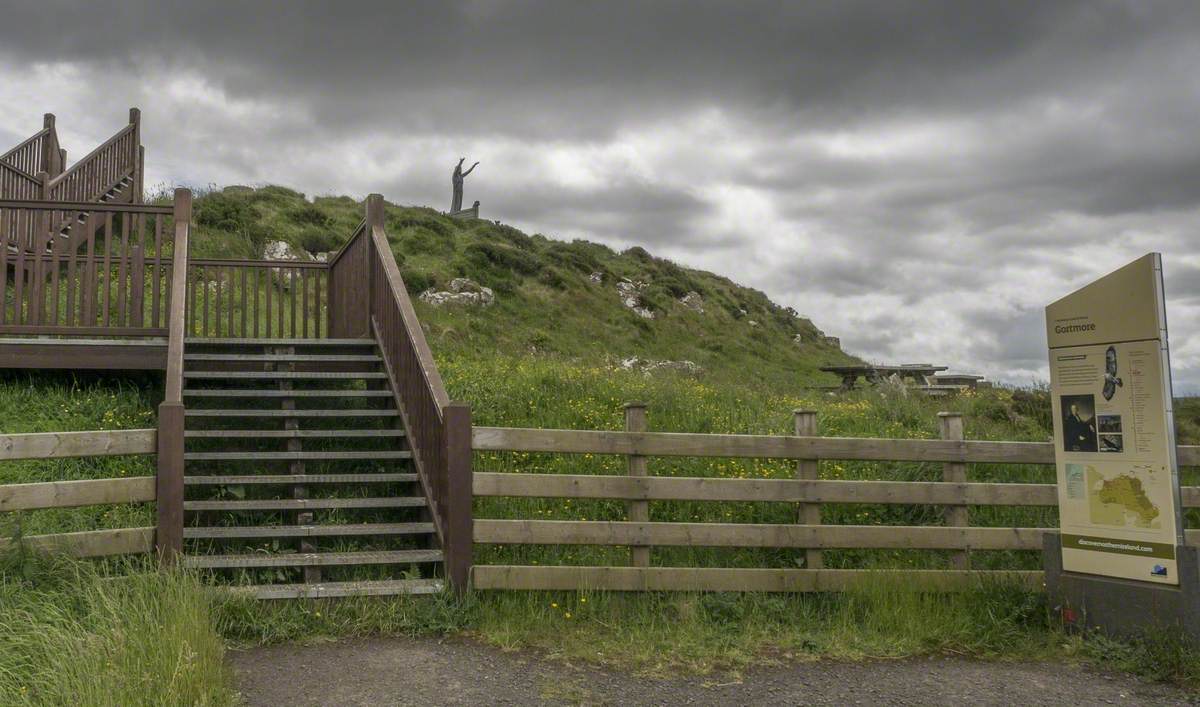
x: 639, y: 511
x: 951, y: 424
x: 169, y: 495
x: 49, y: 149
x: 458, y: 525
x: 810, y: 513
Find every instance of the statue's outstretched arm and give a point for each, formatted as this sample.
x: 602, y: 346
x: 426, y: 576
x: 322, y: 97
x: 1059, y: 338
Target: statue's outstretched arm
x: 471, y: 170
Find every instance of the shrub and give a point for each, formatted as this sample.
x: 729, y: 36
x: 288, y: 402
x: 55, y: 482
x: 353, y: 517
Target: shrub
x: 309, y: 214
x: 316, y: 239
x: 553, y: 277
x: 416, y: 281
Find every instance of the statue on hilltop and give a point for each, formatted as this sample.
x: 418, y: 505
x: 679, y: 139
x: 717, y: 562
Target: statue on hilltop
x: 457, y: 180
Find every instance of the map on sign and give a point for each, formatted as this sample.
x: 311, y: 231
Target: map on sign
x: 1119, y: 504
x: 1121, y: 501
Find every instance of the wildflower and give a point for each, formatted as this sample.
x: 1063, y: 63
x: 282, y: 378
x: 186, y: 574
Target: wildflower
x: 568, y: 614
x: 553, y: 605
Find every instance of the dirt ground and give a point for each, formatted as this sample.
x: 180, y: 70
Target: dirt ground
x: 456, y: 672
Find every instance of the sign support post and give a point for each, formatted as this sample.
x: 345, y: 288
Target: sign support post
x: 1119, y: 562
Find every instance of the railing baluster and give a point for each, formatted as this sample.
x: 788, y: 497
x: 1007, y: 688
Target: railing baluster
x: 108, y: 241
x: 244, y: 334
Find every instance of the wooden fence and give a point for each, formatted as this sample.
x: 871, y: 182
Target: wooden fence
x: 91, y: 492
x: 257, y: 298
x: 954, y: 493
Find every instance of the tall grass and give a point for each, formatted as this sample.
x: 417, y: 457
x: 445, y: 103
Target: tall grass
x: 75, y: 633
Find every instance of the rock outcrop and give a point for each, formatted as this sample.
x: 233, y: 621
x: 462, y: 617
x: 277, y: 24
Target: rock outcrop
x: 693, y: 301
x: 463, y: 291
x: 631, y: 297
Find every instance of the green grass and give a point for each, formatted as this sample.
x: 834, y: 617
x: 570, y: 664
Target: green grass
x: 93, y: 634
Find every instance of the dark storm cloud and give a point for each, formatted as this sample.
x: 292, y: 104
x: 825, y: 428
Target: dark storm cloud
x: 919, y: 177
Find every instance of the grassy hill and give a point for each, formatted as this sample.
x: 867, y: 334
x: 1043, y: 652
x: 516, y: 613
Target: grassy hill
x: 554, y: 298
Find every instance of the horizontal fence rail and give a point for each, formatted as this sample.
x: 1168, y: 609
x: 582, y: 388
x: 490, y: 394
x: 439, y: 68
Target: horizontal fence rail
x: 104, y: 273
x: 257, y: 298
x: 87, y: 492
x: 955, y: 535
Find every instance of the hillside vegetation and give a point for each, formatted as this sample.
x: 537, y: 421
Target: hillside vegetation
x: 552, y: 298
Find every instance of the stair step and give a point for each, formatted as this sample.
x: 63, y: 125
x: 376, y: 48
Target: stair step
x: 295, y: 456
x: 312, y: 559
x: 286, y: 375
x: 343, y: 589
x: 291, y: 434
x: 382, y: 478
x: 276, y: 393
x: 308, y: 531
x: 335, y: 358
x: 252, y: 412
x: 300, y: 504
x: 279, y: 342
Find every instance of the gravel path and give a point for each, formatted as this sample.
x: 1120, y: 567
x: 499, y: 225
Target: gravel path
x: 456, y: 672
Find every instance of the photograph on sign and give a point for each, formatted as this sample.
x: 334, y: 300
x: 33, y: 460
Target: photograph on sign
x: 1114, y: 432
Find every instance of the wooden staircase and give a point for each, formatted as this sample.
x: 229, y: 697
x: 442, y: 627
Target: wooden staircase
x: 298, y: 476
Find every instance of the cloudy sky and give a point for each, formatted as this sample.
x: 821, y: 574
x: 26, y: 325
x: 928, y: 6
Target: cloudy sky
x: 920, y: 179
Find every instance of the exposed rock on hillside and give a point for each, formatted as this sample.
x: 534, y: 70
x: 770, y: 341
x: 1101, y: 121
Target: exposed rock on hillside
x: 693, y: 301
x: 462, y: 291
x: 649, y: 366
x: 631, y: 296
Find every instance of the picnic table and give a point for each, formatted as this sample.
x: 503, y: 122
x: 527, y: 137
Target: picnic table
x: 918, y: 372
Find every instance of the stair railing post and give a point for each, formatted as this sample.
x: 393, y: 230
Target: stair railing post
x: 951, y: 427
x: 375, y: 218
x: 169, y: 480
x: 168, y: 539
x: 805, y: 425
x: 136, y: 155
x: 457, y: 522
x: 638, y: 511
x: 49, y: 148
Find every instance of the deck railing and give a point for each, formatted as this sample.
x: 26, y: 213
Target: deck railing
x: 106, y: 276
x: 257, y: 298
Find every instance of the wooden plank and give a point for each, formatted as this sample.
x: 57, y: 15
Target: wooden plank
x: 757, y: 446
x: 98, y: 207
x: 44, y: 445
x: 640, y: 579
x: 91, y: 543
x: 665, y: 488
x: 113, y: 356
x: 70, y: 494
x: 590, y: 532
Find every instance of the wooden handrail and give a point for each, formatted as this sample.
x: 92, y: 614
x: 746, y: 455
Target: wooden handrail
x: 41, y: 204
x: 412, y: 326
x: 20, y: 172
x: 175, y: 317
x: 26, y: 143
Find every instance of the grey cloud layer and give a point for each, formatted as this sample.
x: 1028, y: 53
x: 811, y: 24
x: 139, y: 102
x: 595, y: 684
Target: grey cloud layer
x: 920, y: 177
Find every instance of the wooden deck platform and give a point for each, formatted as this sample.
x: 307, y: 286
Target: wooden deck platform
x: 124, y: 354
